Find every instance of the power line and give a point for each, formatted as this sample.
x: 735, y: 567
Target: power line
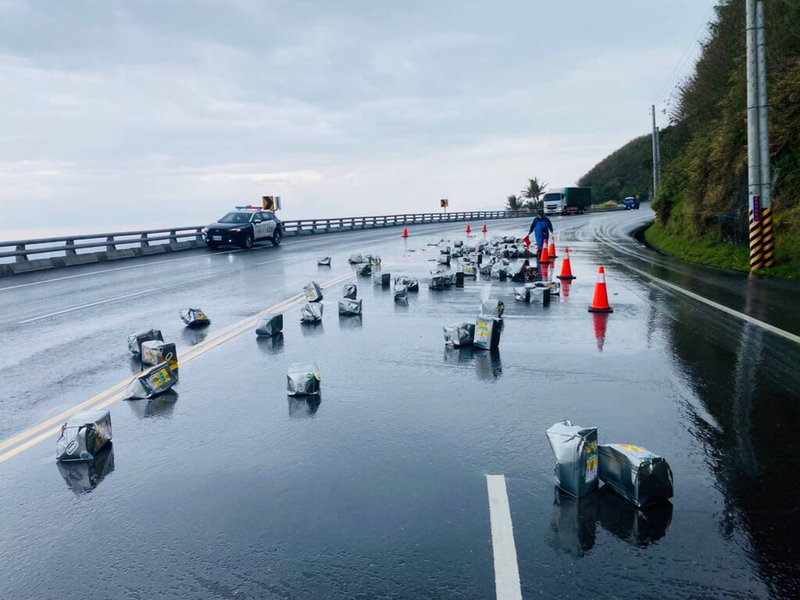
x: 685, y: 57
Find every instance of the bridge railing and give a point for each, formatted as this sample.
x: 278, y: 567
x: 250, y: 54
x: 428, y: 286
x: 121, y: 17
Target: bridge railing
x: 17, y: 256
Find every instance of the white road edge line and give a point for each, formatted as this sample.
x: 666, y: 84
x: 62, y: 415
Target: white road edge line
x: 506, y: 569
x: 74, y: 308
x: 734, y: 313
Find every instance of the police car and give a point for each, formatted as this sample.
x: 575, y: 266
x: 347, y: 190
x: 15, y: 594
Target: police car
x: 243, y: 227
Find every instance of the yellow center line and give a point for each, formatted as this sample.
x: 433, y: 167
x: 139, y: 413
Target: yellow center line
x: 114, y: 394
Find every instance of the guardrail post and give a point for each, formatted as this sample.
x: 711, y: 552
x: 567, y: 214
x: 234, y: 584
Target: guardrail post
x: 21, y: 257
x: 68, y: 250
x: 173, y: 238
x: 110, y: 245
x: 327, y: 225
x: 199, y: 235
x: 143, y: 243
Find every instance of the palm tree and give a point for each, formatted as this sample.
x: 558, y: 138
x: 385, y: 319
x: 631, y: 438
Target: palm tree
x: 513, y: 203
x: 533, y: 192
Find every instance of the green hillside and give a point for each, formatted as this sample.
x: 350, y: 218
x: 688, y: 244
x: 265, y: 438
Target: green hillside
x: 703, y: 195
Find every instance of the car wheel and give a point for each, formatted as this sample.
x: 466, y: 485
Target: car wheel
x: 212, y: 245
x: 276, y: 237
x: 248, y: 241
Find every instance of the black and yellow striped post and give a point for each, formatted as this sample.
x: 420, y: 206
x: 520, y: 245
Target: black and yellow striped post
x: 756, y: 238
x: 767, y: 238
x: 762, y: 245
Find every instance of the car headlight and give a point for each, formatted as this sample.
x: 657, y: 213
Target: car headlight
x: 236, y: 229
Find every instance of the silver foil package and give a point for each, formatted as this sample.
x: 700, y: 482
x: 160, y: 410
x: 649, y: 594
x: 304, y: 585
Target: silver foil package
x: 575, y: 449
x: 350, y: 306
x: 136, y: 340
x: 303, y: 379
x: 350, y: 290
x: 152, y: 382
x: 324, y: 261
x: 382, y: 279
x: 635, y: 473
x: 312, y: 291
x: 269, y: 325
x: 311, y: 312
x: 155, y: 352
x: 364, y: 270
x: 460, y: 334
x: 83, y: 435
x: 400, y: 292
x: 194, y: 317
x: 487, y: 332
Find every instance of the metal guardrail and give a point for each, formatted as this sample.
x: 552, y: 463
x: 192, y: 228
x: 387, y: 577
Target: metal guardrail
x: 15, y: 255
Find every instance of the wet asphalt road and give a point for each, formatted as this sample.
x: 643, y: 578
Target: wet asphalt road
x: 229, y: 489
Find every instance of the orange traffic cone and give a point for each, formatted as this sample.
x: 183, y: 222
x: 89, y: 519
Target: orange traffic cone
x: 552, y: 249
x: 566, y: 268
x: 600, y: 301
x: 405, y: 231
x: 469, y: 229
x: 544, y: 256
x: 484, y: 227
x: 600, y: 324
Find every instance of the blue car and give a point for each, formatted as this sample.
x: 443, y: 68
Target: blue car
x: 630, y: 203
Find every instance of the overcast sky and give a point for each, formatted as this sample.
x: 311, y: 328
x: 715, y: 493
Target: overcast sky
x: 143, y: 113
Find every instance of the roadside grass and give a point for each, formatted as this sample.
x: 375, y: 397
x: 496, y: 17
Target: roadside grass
x: 607, y: 204
x: 726, y: 255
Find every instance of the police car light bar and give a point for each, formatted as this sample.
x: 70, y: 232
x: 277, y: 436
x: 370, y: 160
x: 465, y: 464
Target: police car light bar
x: 248, y: 208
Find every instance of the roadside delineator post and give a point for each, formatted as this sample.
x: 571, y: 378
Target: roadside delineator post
x: 566, y: 268
x: 600, y: 301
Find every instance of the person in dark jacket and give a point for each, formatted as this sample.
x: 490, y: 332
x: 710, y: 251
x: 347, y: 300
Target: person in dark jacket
x: 541, y: 229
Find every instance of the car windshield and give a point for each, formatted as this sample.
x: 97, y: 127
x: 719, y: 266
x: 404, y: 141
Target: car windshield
x: 235, y: 217
x: 551, y: 197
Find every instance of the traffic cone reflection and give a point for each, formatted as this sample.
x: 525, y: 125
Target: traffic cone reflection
x: 600, y: 324
x: 552, y: 249
x: 600, y: 301
x: 566, y: 268
x: 543, y: 271
x: 565, y: 286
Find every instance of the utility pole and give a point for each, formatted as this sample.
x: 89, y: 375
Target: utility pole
x: 763, y: 140
x: 656, y: 154
x: 762, y: 250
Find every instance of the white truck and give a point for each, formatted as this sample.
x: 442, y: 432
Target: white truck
x: 567, y: 201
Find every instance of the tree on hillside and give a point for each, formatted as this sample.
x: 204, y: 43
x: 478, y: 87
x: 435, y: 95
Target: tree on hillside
x: 514, y: 203
x: 533, y: 193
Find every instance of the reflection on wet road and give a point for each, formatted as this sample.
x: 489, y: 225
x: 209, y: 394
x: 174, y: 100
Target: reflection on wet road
x: 228, y: 488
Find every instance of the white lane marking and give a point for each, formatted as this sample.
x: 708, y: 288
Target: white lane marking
x: 506, y: 570
x: 114, y: 270
x: 82, y: 306
x: 721, y: 307
x: 735, y: 313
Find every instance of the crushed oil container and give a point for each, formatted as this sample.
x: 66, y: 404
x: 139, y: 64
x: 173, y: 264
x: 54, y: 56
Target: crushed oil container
x: 271, y: 324
x: 350, y: 306
x: 575, y: 449
x: 83, y: 435
x: 152, y: 382
x: 311, y: 312
x: 487, y: 332
x: 155, y: 352
x: 460, y: 334
x: 136, y: 340
x: 312, y: 291
x: 635, y: 473
x: 194, y: 317
x: 303, y: 379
